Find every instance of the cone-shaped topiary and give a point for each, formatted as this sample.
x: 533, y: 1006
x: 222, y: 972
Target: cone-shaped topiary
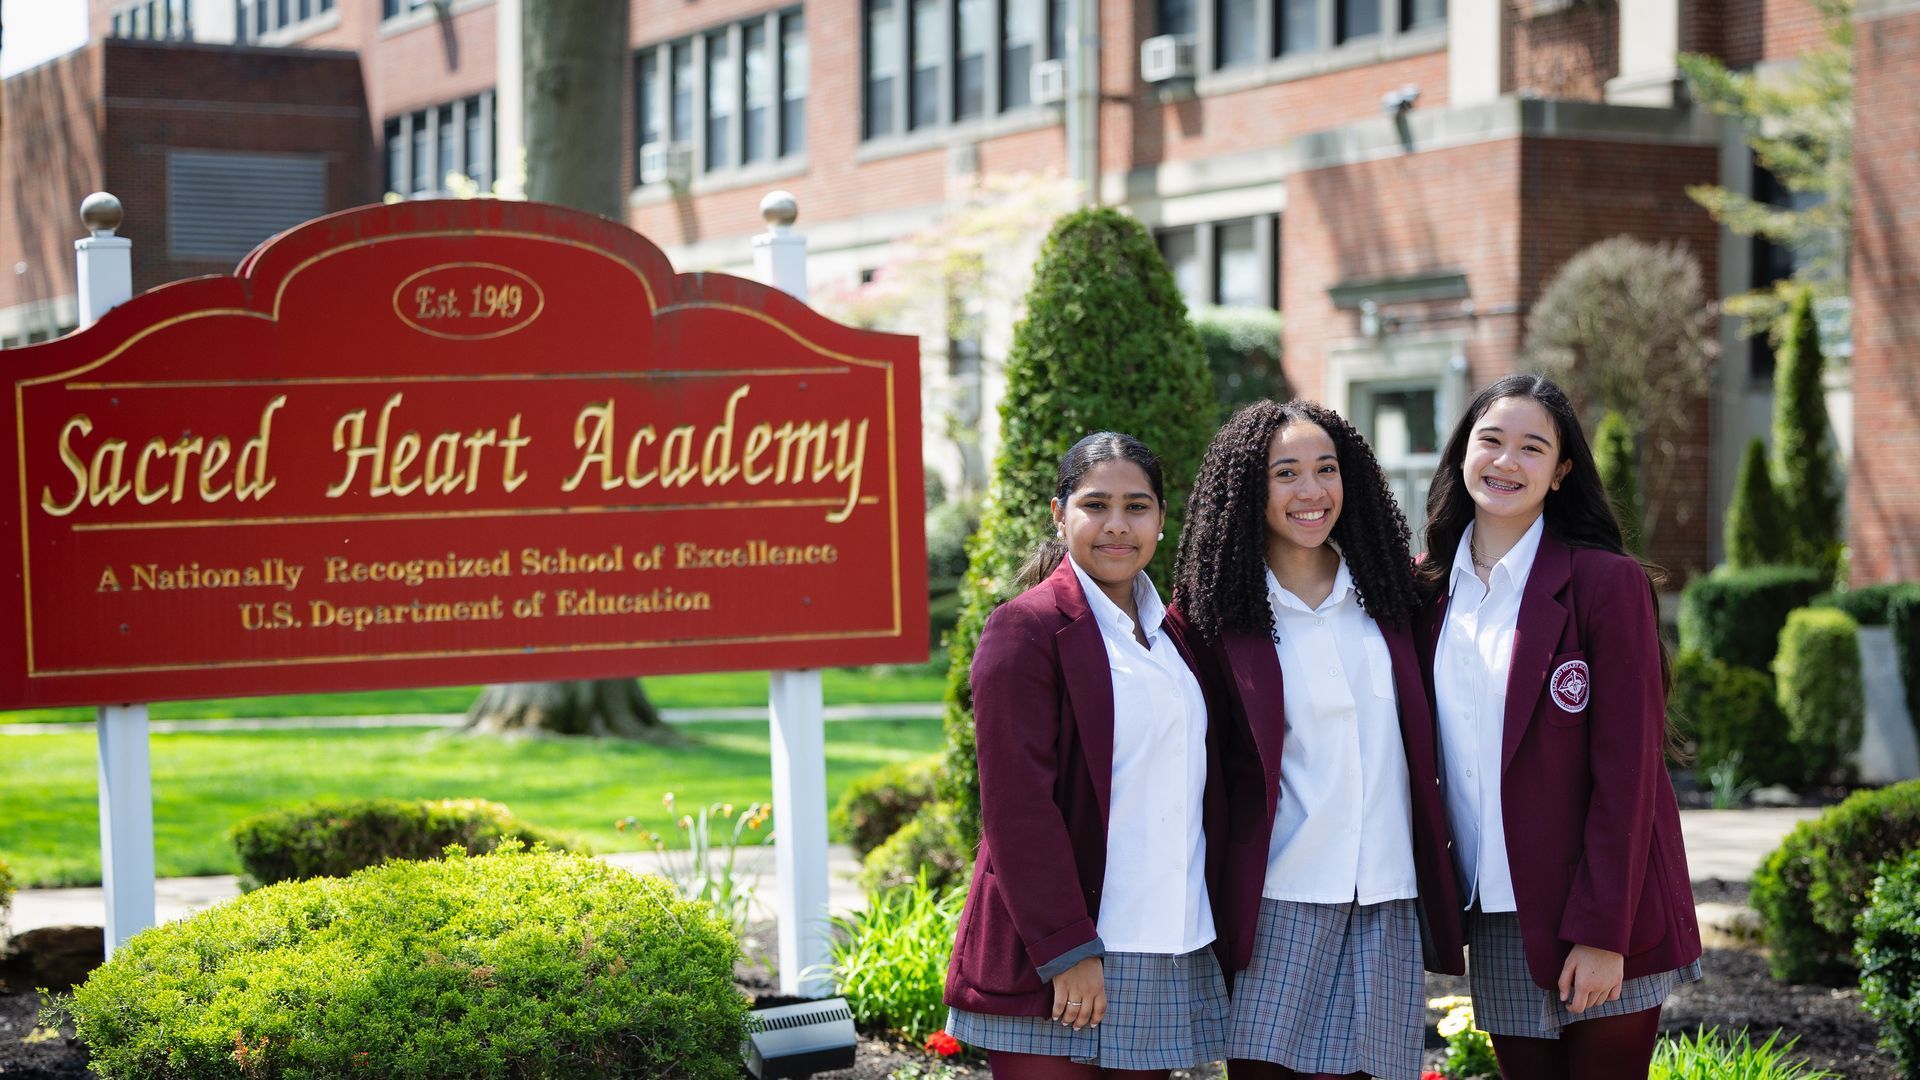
x: 1105, y: 345
x: 1756, y: 530
x: 1613, y: 458
x: 1802, y: 461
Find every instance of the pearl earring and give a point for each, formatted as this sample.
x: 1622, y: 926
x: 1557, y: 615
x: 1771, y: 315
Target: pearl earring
x: 1162, y: 536
x: 1060, y: 531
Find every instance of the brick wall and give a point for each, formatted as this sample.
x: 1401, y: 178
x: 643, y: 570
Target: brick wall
x: 1883, y: 493
x: 49, y: 161
x: 1751, y: 31
x: 1567, y: 55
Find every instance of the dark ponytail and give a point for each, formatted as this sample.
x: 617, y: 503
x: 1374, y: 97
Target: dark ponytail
x: 1074, y: 466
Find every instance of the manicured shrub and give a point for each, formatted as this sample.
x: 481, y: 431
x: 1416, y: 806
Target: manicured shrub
x: 1735, y: 616
x: 875, y: 806
x: 1728, y: 710
x: 1870, y: 605
x: 1709, y: 1055
x: 333, y: 838
x: 1243, y: 354
x: 507, y: 965
x: 1105, y: 345
x: 6, y: 891
x: 1803, y: 471
x: 1817, y: 679
x: 890, y: 961
x: 1756, y: 531
x: 928, y: 844
x: 1613, y: 458
x: 1888, y: 950
x: 1814, y: 885
x: 1903, y: 614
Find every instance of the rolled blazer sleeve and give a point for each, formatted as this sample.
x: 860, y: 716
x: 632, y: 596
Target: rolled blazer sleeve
x: 1626, y: 727
x: 1017, y: 716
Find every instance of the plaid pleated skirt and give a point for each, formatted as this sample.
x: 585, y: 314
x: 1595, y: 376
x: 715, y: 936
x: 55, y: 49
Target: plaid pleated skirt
x: 1506, y: 1000
x: 1163, y: 1012
x: 1333, y: 988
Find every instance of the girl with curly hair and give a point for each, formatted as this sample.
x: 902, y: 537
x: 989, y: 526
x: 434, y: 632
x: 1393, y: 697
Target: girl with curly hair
x: 1540, y: 640
x: 1294, y: 589
x: 1085, y: 949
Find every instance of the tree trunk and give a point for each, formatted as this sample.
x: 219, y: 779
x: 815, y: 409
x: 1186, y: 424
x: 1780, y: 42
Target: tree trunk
x: 602, y: 707
x: 574, y: 56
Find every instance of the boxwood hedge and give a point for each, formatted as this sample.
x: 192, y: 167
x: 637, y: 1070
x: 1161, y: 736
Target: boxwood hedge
x: 513, y: 964
x: 333, y: 838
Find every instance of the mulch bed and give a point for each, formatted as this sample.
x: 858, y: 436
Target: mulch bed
x: 1834, y: 1031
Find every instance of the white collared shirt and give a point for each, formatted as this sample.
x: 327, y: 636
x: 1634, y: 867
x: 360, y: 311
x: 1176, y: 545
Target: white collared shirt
x: 1343, y: 831
x: 1470, y: 668
x: 1154, y: 898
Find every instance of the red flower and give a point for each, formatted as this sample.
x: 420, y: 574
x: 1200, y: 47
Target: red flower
x: 1431, y: 1075
x: 943, y: 1044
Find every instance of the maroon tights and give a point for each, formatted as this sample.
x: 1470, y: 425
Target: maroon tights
x: 1008, y: 1066
x: 1610, y: 1048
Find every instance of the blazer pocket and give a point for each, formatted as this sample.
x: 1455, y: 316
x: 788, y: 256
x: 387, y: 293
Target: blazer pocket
x: 1004, y: 966
x: 1569, y: 689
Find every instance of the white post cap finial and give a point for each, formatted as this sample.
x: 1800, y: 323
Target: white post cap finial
x: 779, y: 209
x: 102, y: 213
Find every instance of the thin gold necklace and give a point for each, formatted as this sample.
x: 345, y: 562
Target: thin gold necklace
x: 1473, y: 549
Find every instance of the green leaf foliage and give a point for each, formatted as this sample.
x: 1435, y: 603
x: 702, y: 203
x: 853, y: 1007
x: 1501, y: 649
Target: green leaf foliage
x: 513, y: 964
x: 890, y: 961
x: 1735, y: 616
x: 1614, y: 459
x: 1243, y: 354
x: 875, y: 806
x: 1888, y: 950
x: 333, y: 838
x: 1814, y: 885
x: 1105, y: 345
x: 928, y: 845
x: 6, y: 889
x: 1756, y: 530
x: 1727, y: 710
x: 1803, y: 472
x: 1709, y: 1055
x: 1817, y: 678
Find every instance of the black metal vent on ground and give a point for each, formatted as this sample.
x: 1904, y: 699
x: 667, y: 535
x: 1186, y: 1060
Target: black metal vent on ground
x: 796, y: 1041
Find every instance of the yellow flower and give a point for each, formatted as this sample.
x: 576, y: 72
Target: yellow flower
x: 667, y: 800
x: 1454, y: 1024
x: 1452, y: 1002
x: 686, y: 822
x: 726, y: 809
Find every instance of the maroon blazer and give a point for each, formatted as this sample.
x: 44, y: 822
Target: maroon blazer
x: 1244, y: 682
x: 1593, y: 831
x: 1043, y: 722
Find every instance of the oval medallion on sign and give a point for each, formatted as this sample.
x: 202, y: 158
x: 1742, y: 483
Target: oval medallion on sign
x: 468, y: 301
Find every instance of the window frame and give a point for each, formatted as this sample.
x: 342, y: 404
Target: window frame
x: 780, y: 149
x: 1049, y: 44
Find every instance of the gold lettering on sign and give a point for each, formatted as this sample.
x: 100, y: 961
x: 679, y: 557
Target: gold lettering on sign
x: 101, y: 478
x: 452, y: 461
x: 801, y: 452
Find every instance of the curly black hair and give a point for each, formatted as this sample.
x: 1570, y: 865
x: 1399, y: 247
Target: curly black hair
x: 1220, y: 570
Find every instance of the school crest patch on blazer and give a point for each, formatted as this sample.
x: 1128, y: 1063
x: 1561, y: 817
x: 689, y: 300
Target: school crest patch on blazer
x: 1570, y: 686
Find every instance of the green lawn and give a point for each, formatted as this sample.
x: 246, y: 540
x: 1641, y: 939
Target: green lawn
x: 879, y: 684
x: 203, y: 783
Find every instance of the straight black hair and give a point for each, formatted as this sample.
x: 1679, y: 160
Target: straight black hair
x: 1080, y: 458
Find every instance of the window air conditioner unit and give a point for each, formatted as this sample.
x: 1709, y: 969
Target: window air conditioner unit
x: 666, y: 162
x: 1049, y: 82
x: 1166, y: 58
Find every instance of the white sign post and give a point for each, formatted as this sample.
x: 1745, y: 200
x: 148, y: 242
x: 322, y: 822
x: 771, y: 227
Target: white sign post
x: 796, y: 705
x: 105, y: 267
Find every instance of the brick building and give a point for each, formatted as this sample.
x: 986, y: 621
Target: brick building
x: 1399, y: 177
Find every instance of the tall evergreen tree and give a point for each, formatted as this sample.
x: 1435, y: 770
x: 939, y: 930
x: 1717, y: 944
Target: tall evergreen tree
x: 1756, y: 529
x: 1105, y: 345
x: 1613, y: 458
x: 1803, y: 472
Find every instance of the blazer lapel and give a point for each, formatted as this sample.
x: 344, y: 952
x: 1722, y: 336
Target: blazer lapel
x: 1535, y: 637
x: 1427, y: 624
x: 1257, y: 678
x: 1416, y: 724
x: 1083, y: 659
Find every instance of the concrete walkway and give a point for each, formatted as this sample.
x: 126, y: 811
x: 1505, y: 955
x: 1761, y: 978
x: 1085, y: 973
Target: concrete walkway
x: 1723, y: 844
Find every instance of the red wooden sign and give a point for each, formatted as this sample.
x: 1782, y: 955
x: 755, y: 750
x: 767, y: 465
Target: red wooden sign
x: 455, y: 442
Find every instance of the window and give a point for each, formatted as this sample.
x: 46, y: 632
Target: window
x: 1775, y: 262
x: 422, y: 147
x: 1177, y: 17
x: 1225, y: 263
x: 793, y: 83
x: 934, y: 62
x: 394, y: 8
x: 1253, y: 31
x: 254, y: 19
x: 153, y: 20
x: 730, y: 96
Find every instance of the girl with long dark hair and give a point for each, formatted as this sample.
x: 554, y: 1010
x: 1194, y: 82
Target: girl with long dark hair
x: 1294, y: 589
x: 1085, y: 949
x: 1540, y: 639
